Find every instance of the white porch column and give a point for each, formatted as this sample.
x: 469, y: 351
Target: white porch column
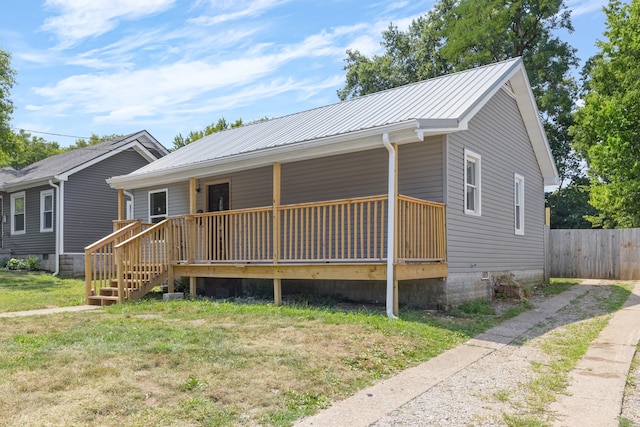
x: 392, y: 283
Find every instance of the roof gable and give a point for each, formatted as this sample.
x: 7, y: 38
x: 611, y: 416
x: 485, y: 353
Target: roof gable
x: 441, y: 105
x: 61, y: 166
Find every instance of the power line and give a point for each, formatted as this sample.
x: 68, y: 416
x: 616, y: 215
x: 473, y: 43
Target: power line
x: 51, y: 133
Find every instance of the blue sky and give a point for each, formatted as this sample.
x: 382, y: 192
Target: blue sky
x: 173, y: 66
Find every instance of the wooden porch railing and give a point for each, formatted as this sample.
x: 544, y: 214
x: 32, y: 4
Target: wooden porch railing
x: 338, y: 230
x: 421, y: 230
x: 349, y: 230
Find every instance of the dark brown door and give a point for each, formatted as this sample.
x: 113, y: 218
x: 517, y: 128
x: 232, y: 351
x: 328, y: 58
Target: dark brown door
x: 218, y: 197
x: 218, y: 200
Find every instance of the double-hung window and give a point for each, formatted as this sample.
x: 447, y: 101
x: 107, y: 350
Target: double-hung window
x: 157, y: 206
x: 518, y: 202
x: 46, y: 211
x: 18, y: 213
x: 471, y: 183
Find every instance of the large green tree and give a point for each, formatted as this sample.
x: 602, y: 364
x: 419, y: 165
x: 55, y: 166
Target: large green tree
x: 459, y: 34
x: 7, y: 80
x: 607, y: 129
x: 25, y: 149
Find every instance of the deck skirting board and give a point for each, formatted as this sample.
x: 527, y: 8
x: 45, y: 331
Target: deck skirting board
x: 313, y: 271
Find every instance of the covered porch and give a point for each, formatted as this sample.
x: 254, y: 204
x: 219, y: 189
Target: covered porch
x: 387, y: 237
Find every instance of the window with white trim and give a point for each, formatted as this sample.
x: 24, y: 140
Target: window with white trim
x: 472, y: 183
x: 157, y: 206
x: 518, y: 202
x: 46, y: 211
x: 18, y: 213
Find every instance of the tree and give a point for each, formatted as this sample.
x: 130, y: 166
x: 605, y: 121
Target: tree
x: 457, y: 35
x: 570, y: 206
x: 25, y: 149
x: 180, y: 141
x: 7, y: 80
x: 606, y: 131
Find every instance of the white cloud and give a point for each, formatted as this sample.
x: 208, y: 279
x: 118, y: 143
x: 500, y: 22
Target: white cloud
x: 583, y: 7
x: 234, y: 10
x: 79, y: 19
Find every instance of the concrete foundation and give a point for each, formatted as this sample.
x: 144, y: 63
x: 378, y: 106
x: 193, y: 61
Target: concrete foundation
x: 426, y: 293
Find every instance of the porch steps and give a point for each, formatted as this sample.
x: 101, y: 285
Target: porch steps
x: 109, y: 294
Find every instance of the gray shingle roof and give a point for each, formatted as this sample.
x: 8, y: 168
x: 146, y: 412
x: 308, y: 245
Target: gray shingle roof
x: 65, y: 162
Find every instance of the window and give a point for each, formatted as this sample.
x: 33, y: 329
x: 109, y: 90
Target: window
x: 18, y: 214
x: 157, y: 206
x: 46, y: 210
x: 518, y: 202
x: 471, y: 183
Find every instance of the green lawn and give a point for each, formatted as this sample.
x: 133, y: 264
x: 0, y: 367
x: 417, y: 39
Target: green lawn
x: 34, y: 290
x: 202, y: 362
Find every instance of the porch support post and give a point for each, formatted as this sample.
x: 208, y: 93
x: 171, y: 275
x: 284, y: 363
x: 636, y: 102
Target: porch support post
x: 120, y: 204
x: 277, y: 282
x: 192, y: 233
x: 392, y: 282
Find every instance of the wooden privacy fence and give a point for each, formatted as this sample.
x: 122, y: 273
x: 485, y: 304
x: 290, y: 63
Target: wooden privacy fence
x: 595, y: 254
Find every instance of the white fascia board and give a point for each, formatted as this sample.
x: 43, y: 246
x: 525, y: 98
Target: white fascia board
x: 330, y: 146
x: 133, y: 143
x: 25, y: 185
x: 531, y: 118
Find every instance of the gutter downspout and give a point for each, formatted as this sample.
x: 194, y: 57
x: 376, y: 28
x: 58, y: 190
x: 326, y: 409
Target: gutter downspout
x: 391, y: 227
x: 58, y: 234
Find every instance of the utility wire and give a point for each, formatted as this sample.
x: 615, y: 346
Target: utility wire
x: 51, y: 133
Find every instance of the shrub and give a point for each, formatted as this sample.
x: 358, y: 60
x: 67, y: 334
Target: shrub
x: 33, y: 263
x: 16, y: 264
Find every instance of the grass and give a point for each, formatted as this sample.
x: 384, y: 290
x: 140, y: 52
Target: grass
x: 565, y: 347
x: 202, y: 362
x: 33, y: 290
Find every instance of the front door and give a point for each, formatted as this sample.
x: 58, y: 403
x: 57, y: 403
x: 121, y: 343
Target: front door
x: 218, y: 200
x: 218, y: 197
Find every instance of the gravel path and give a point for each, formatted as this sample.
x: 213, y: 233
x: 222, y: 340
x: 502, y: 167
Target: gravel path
x: 486, y: 382
x: 496, y: 386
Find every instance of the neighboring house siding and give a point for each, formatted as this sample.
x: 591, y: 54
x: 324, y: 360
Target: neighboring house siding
x: 33, y: 242
x: 90, y: 204
x: 488, y: 242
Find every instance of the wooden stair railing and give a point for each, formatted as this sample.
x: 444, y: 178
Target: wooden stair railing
x: 142, y: 261
x: 100, y: 266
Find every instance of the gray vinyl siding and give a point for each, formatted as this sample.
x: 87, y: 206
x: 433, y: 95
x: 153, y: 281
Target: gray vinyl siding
x: 366, y: 174
x: 177, y: 200
x: 90, y: 204
x: 488, y: 242
x: 33, y: 242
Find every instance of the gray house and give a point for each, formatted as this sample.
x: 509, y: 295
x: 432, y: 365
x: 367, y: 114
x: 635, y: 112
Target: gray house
x: 53, y: 208
x: 423, y: 194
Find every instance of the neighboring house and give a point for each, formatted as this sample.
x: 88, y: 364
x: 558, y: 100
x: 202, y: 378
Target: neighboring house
x: 424, y: 194
x: 53, y: 208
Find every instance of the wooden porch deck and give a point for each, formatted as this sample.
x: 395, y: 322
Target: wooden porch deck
x: 331, y: 240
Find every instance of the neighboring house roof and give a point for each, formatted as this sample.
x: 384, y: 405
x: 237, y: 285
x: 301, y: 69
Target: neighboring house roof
x: 61, y: 166
x: 407, y: 114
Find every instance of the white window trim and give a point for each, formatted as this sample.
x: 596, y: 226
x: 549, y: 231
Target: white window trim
x: 166, y: 215
x: 15, y: 196
x: 43, y: 194
x: 470, y: 155
x: 518, y: 180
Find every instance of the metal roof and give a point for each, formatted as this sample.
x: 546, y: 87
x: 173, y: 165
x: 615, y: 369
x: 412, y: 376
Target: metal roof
x: 444, y: 103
